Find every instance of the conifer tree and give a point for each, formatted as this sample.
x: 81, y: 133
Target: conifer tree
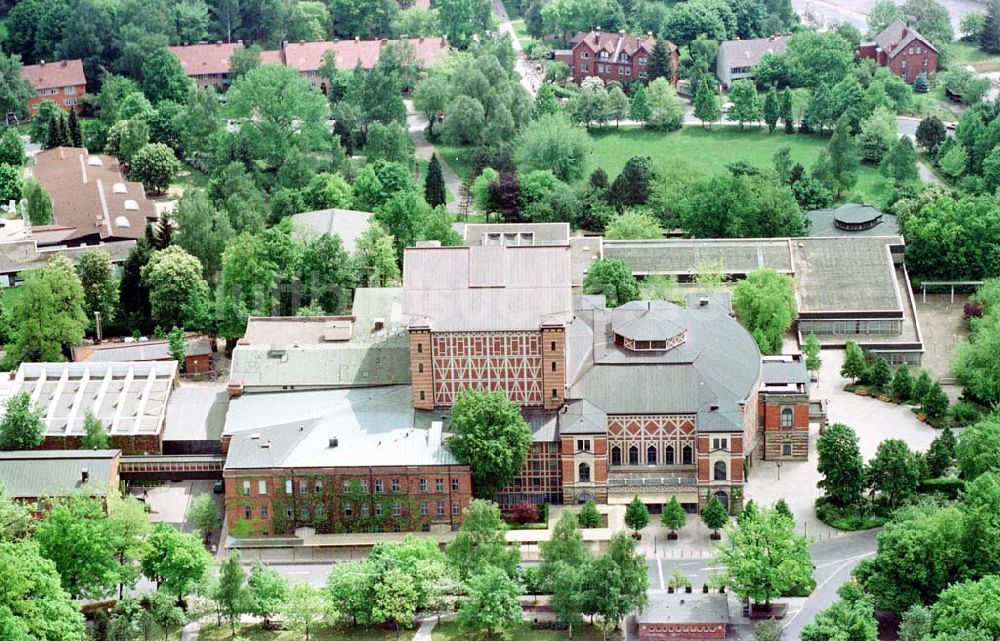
x: 786, y: 111
x: 660, y: 64
x: 434, y: 190
x: 989, y: 41
x: 772, y: 109
x: 75, y: 135
x: 640, y: 110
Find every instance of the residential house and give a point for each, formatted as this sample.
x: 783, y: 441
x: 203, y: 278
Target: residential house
x: 62, y: 82
x: 207, y: 63
x: 92, y: 201
x: 903, y: 50
x: 613, y: 56
x: 737, y: 58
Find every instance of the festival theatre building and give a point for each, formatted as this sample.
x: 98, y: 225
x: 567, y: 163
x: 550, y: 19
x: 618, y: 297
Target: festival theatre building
x: 650, y: 398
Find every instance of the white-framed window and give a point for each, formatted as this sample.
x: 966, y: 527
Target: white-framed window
x: 379, y: 486
x: 263, y: 511
x: 378, y: 509
x: 288, y: 486
x: 70, y: 90
x: 454, y: 485
x: 397, y: 509
x: 246, y: 488
x: 583, y: 68
x: 317, y: 487
x: 439, y: 485
x: 440, y: 509
x: 787, y: 416
x: 628, y: 71
x: 720, y: 443
x: 364, y: 509
x: 423, y: 485
x: 69, y: 102
x: 303, y: 486
x: 247, y: 512
x: 424, y: 509
x: 456, y: 508
x: 395, y: 485
x: 642, y: 74
x: 583, y: 445
x: 262, y: 487
x: 642, y: 60
x: 584, y: 55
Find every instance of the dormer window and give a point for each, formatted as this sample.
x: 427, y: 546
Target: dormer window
x: 649, y: 331
x: 119, y: 188
x: 604, y: 55
x: 624, y: 58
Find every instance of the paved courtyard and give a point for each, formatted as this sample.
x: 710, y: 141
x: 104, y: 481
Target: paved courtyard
x: 943, y: 327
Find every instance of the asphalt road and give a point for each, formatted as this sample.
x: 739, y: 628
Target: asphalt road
x: 831, y: 12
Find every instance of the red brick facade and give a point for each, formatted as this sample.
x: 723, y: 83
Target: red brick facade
x: 686, y: 631
x: 904, y: 51
x: 584, y: 467
x: 614, y: 56
x: 62, y: 82
x: 334, y: 500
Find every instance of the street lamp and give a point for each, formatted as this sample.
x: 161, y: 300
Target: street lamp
x: 779, y: 470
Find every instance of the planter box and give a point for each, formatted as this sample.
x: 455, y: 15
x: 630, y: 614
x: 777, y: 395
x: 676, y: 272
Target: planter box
x: 671, y: 536
x: 715, y: 536
x: 861, y: 392
x: 885, y: 399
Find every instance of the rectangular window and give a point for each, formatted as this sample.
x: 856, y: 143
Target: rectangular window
x: 364, y: 485
x: 584, y: 55
x: 440, y: 509
x: 317, y: 487
x: 263, y: 511
x: 720, y: 444
x: 423, y: 509
x: 536, y: 482
x: 454, y: 485
x: 439, y: 485
x: 347, y: 487
x: 288, y: 486
x: 289, y: 513
x: 583, y: 68
x: 304, y: 513
x: 397, y: 509
x: 642, y: 74
x: 71, y: 89
x: 348, y: 509
x: 423, y: 485
x: 303, y: 487
x: 378, y: 509
x: 583, y: 444
x: 456, y: 508
x: 247, y: 512
x: 379, y: 486
x: 262, y: 487
x: 628, y: 71
x: 246, y: 488
x: 395, y: 485
x: 364, y: 509
x: 321, y: 512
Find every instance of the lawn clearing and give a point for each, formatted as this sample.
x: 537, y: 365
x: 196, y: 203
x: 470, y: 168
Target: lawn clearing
x: 451, y: 631
x: 710, y: 150
x: 256, y: 632
x: 458, y: 158
x: 968, y: 53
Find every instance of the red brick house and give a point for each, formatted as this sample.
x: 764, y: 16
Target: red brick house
x: 903, y: 50
x: 62, y: 82
x: 613, y: 56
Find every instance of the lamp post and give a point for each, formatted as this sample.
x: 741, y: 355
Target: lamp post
x: 779, y: 470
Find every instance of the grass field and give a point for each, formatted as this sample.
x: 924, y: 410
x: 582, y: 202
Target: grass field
x: 709, y: 150
x: 968, y: 53
x: 458, y: 158
x: 254, y: 632
x: 454, y: 632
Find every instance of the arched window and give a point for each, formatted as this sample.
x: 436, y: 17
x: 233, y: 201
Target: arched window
x: 720, y: 471
x: 687, y: 455
x: 786, y: 449
x: 633, y: 455
x: 584, y: 473
x: 786, y: 418
x: 616, y: 455
x: 724, y: 499
x: 651, y: 455
x: 668, y: 458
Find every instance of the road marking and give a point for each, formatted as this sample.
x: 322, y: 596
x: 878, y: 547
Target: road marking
x: 827, y: 580
x: 296, y: 573
x: 659, y: 566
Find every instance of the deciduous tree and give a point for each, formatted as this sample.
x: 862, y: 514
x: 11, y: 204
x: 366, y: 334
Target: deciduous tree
x: 894, y: 472
x: 841, y: 465
x: 765, y: 303
x: 489, y: 435
x: 613, y: 279
x: 48, y: 318
x: 714, y: 514
x: 155, y: 166
x: 491, y: 604
x: 21, y: 427
x: 173, y: 276
x: 100, y: 286
x: 481, y: 541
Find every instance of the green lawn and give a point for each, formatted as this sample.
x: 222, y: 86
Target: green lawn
x: 709, y: 150
x: 968, y: 53
x: 254, y: 632
x: 454, y: 632
x: 458, y: 158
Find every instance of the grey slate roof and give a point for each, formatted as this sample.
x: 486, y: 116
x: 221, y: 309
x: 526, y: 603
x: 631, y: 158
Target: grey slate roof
x: 650, y: 325
x: 346, y: 223
x: 842, y: 274
x: 821, y: 222
x: 686, y: 608
x: 711, y: 374
x: 747, y: 53
x: 374, y: 426
x: 487, y: 288
x: 44, y: 473
x: 784, y: 370
x: 683, y: 257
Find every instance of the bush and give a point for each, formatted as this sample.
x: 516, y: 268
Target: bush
x: 524, y: 513
x: 849, y: 519
x: 972, y: 309
x: 965, y: 413
x: 949, y: 487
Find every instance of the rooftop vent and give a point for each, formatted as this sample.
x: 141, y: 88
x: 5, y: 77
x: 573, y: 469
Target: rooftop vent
x: 265, y: 445
x: 94, y: 161
x: 334, y: 442
x: 337, y: 330
x: 703, y: 302
x: 255, y: 437
x: 131, y: 205
x: 119, y: 188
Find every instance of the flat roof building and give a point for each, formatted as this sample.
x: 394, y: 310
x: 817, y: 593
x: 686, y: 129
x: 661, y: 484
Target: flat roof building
x: 684, y: 616
x: 851, y: 219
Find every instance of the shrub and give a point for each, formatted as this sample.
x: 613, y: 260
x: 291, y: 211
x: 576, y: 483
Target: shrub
x: 524, y: 513
x: 972, y: 309
x: 965, y: 413
x: 589, y: 517
x: 849, y: 519
x: 948, y: 487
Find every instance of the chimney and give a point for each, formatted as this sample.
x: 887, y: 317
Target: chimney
x: 234, y: 389
x: 379, y: 324
x: 703, y: 302
x: 334, y: 442
x: 84, y: 476
x: 41, y: 63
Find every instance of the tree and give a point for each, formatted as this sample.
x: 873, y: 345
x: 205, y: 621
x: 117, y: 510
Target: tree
x: 967, y: 608
x: 326, y: 275
x: 375, y: 258
x: 266, y: 591
x: 989, y: 40
x: 173, y: 276
x: 154, y: 166
x: 666, y: 112
x: 636, y: 514
x: 707, y: 103
x: 613, y: 279
x: 787, y: 116
x: 853, y: 366
x: 491, y: 604
x: 615, y: 584
x: 765, y: 559
x: 618, y: 104
x: 811, y: 349
x: 878, y: 374
x: 714, y: 515
x: 738, y: 206
x: 132, y: 292
x: 176, y: 562
x: 946, y: 240
x: 900, y: 164
x: 843, y: 158
x: 127, y: 137
x: 589, y: 517
x: 16, y: 90
x: 640, y: 105
x: 12, y: 149
x: 851, y: 617
x: 129, y: 525
x: 21, y: 427
x: 163, y: 77
x: 673, y: 516
x: 930, y: 134
x: 894, y: 472
x: 489, y: 435
x: 981, y: 524
x: 841, y: 465
x: 76, y: 536
x: 202, y: 230
x: 746, y: 106
x: 565, y: 546
x: 11, y: 183
x: 551, y: 142
x: 930, y: 18
x: 935, y: 404
x: 48, y: 317
x: 16, y: 520
x: 772, y: 109
x: 434, y: 188
x: 954, y: 162
x: 977, y: 450
x: 921, y: 386
x: 546, y: 102
x: 100, y: 287
x: 916, y: 624
x: 95, y: 436
x: 567, y: 598
x: 396, y: 599
x: 34, y: 606
x: 902, y: 384
x: 230, y: 592
x: 940, y: 454
x: 632, y: 185
x: 633, y: 224
x: 304, y: 606
x: 481, y: 541
x: 878, y: 133
x: 765, y: 304
x: 204, y: 514
x: 660, y: 62
x: 38, y: 203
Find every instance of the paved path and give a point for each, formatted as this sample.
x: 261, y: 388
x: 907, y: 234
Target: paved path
x: 423, y: 633
x: 529, y: 78
x: 191, y: 631
x: 452, y: 183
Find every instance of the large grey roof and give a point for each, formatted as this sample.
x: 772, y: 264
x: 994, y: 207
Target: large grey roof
x: 487, y: 288
x: 821, y: 222
x: 683, y: 257
x: 374, y: 426
x: 348, y: 224
x: 280, y: 352
x: 711, y: 374
x: 747, y: 53
x: 40, y: 473
x: 784, y: 370
x: 846, y: 274
x: 686, y: 609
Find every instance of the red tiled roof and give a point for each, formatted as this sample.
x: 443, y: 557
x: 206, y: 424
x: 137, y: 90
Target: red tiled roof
x: 51, y: 75
x: 271, y: 57
x: 611, y: 41
x: 205, y: 58
x: 308, y: 56
x: 897, y: 36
